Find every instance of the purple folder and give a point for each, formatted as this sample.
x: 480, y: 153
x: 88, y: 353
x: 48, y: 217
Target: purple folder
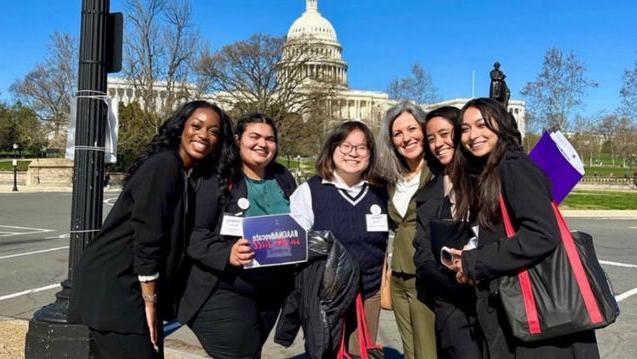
x: 559, y: 161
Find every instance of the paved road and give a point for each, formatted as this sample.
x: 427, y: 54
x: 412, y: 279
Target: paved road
x: 33, y: 256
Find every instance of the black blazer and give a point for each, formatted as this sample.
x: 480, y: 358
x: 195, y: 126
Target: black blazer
x: 208, y: 251
x: 528, y: 196
x: 439, y: 280
x: 143, y: 234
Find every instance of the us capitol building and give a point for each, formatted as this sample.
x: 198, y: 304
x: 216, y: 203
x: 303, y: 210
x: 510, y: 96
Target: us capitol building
x: 327, y: 63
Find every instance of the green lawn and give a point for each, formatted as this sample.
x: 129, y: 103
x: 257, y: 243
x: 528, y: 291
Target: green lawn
x: 7, y: 165
x: 600, y: 200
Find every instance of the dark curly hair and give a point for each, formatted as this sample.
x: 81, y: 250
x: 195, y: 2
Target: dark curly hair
x: 219, y: 163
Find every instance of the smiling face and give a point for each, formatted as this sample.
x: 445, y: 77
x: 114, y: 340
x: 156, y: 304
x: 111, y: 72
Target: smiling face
x: 257, y: 145
x: 407, y: 137
x: 351, y: 157
x: 200, y: 136
x: 477, y: 138
x: 440, y: 139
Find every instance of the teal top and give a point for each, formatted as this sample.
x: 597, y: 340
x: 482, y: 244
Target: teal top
x: 266, y: 197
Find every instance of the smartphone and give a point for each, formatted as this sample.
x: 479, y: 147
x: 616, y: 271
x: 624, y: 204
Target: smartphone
x: 446, y: 258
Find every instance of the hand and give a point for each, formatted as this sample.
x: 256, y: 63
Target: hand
x: 463, y: 279
x: 456, y: 260
x: 151, y: 322
x: 241, y: 254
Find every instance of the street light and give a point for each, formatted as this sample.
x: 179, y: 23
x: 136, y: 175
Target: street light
x: 15, y: 167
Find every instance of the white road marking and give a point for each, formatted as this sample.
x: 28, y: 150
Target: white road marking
x: 65, y: 235
x: 29, y: 291
x: 33, y: 252
x: 617, y: 264
x: 29, y: 230
x: 625, y: 295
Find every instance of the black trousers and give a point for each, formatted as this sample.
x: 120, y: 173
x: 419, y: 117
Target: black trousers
x: 231, y: 325
x: 125, y: 346
x: 458, y: 334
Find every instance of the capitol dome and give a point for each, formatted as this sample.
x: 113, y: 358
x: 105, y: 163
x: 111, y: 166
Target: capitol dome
x: 311, y: 23
x: 315, y: 36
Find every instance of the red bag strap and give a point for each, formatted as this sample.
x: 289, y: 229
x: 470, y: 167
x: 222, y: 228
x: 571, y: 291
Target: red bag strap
x: 363, y: 332
x: 342, y: 352
x: 523, y: 276
x: 592, y: 307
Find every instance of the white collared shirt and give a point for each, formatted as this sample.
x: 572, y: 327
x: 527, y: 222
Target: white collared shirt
x: 301, y: 199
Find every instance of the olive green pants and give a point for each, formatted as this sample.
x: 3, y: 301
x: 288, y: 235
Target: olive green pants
x: 414, y: 318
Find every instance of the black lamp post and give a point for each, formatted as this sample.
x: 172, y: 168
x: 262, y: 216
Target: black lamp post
x: 15, y: 167
x: 49, y: 335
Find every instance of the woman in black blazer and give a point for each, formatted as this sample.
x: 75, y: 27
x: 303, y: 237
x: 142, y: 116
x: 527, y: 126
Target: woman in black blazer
x: 490, y: 163
x: 127, y: 279
x: 457, y: 333
x: 232, y: 310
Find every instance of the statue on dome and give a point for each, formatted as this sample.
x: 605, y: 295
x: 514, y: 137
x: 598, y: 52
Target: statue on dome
x: 499, y: 89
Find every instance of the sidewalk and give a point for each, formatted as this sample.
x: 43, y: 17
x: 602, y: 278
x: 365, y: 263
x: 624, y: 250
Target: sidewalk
x: 184, y: 345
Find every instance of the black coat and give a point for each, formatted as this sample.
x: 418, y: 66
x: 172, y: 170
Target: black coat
x: 324, y: 289
x: 454, y: 304
x: 208, y: 251
x: 528, y: 196
x: 143, y: 234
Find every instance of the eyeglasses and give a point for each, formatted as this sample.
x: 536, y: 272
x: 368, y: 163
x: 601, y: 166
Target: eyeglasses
x: 347, y: 148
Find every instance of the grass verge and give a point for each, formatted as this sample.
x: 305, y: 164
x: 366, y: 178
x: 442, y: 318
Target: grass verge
x: 580, y: 199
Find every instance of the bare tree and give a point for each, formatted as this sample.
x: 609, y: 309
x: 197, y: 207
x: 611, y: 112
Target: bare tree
x: 182, y: 42
x: 557, y: 89
x: 624, y: 140
x: 418, y: 87
x: 628, y: 92
x: 586, y: 138
x: 258, y: 75
x: 608, y: 127
x: 160, y: 45
x: 48, y: 89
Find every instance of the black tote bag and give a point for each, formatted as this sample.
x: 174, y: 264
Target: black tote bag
x: 567, y: 292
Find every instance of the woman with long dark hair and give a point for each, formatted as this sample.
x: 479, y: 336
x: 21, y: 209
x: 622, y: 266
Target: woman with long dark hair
x: 338, y: 199
x: 402, y: 144
x: 457, y: 333
x: 231, y: 309
x: 128, y: 278
x: 491, y: 162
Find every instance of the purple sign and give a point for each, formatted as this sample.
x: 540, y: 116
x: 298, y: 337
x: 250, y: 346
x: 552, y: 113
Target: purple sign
x: 275, y: 239
x: 558, y: 165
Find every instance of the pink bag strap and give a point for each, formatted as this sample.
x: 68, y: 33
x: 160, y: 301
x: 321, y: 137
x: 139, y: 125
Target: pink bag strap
x: 523, y: 276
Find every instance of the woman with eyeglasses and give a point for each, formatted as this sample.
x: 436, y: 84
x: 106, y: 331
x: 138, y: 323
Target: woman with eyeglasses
x: 339, y: 199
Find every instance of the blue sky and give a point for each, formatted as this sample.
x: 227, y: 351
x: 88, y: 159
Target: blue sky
x: 382, y: 39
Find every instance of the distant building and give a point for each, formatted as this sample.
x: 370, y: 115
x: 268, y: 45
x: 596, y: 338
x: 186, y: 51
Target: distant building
x: 327, y: 64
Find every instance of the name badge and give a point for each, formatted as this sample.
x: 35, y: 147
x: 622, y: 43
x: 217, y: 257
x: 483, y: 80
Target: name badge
x: 231, y: 226
x: 377, y: 223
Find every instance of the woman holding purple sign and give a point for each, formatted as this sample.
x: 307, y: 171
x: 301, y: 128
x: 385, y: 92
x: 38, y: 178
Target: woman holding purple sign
x: 229, y: 308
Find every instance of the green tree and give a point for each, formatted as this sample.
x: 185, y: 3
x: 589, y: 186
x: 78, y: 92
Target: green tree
x: 134, y: 133
x: 20, y: 124
x: 557, y: 90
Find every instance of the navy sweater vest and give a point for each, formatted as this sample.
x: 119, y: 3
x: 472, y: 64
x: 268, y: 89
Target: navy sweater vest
x: 344, y: 216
